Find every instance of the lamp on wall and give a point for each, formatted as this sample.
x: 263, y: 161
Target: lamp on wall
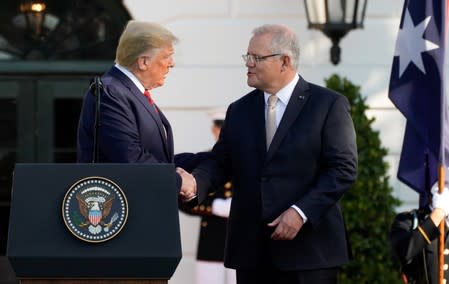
x: 34, y: 12
x: 335, y: 18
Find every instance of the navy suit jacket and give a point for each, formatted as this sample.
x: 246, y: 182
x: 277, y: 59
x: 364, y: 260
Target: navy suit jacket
x: 311, y: 162
x: 131, y: 130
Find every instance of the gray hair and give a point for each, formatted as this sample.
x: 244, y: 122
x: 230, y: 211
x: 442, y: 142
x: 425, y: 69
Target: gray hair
x: 284, y: 41
x: 139, y: 38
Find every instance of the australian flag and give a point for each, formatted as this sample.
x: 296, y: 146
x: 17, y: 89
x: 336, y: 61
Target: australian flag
x: 417, y: 89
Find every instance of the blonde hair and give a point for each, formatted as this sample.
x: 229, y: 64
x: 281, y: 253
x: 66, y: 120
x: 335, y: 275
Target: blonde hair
x: 139, y: 38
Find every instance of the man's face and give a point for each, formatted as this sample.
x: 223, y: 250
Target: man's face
x: 264, y: 74
x: 159, y: 65
x: 216, y: 131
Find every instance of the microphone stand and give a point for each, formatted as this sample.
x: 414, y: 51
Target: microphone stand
x: 96, y: 86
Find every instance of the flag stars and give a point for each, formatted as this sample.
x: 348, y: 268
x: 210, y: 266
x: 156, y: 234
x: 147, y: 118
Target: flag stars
x: 410, y: 44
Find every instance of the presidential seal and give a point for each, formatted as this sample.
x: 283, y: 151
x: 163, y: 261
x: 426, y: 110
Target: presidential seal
x: 95, y: 209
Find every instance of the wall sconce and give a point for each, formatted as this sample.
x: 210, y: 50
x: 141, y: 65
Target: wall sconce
x: 335, y: 18
x: 34, y: 12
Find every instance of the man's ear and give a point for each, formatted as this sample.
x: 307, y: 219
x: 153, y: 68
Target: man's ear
x: 143, y: 62
x: 286, y: 62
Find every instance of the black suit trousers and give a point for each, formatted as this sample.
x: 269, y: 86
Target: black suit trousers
x: 267, y: 273
x: 273, y: 276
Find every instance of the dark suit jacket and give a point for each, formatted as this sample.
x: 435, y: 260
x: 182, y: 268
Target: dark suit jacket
x: 311, y: 162
x: 131, y: 130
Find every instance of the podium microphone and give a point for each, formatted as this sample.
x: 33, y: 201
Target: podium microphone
x: 96, y: 86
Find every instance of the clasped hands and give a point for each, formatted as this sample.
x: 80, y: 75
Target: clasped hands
x: 188, y: 186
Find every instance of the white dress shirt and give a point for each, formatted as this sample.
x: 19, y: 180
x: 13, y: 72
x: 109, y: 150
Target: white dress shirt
x: 131, y: 76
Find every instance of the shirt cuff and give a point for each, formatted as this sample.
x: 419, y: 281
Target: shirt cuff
x: 303, y: 216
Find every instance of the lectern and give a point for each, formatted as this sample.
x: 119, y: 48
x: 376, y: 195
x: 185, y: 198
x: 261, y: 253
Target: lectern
x: 94, y: 223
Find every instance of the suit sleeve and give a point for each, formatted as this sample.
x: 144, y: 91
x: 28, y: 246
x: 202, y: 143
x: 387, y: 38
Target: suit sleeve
x: 189, y: 161
x: 213, y: 172
x: 199, y: 210
x: 338, y: 162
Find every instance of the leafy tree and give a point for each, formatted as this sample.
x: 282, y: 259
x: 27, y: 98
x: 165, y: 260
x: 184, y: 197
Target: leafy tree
x: 368, y: 206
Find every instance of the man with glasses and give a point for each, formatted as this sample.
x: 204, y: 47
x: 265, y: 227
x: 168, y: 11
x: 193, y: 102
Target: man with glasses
x: 289, y: 149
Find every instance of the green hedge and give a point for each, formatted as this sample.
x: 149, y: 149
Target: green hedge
x: 369, y: 206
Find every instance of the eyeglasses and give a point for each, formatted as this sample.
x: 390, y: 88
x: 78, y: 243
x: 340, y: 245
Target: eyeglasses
x: 256, y: 58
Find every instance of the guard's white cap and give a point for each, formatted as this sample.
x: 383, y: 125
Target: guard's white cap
x: 217, y: 114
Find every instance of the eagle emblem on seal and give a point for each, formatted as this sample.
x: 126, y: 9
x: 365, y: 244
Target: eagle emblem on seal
x: 95, y: 209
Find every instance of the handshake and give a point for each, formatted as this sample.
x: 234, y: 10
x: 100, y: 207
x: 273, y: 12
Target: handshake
x: 188, y: 186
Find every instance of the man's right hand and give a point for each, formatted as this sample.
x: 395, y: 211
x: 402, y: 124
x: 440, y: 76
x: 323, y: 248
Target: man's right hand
x: 188, y: 186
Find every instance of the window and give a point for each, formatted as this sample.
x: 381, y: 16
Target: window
x: 66, y: 30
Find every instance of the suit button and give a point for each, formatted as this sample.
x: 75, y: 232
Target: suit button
x: 204, y: 224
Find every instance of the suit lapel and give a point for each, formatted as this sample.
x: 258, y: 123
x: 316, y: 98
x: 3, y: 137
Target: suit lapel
x: 294, y: 107
x: 259, y: 124
x: 169, y: 136
x: 151, y: 109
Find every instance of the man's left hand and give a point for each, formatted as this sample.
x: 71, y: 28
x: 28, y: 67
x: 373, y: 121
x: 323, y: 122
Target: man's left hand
x: 287, y: 225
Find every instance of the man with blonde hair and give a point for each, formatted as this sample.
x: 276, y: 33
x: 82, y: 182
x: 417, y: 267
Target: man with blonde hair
x: 133, y: 128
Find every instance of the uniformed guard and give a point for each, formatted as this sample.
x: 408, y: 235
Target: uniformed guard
x: 214, y: 212
x: 414, y: 237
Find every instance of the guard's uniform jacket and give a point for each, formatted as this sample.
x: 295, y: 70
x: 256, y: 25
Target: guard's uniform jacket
x: 213, y: 228
x: 414, y: 238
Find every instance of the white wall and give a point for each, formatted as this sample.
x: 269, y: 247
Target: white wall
x: 210, y: 72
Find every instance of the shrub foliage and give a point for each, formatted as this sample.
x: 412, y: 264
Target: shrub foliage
x: 369, y: 206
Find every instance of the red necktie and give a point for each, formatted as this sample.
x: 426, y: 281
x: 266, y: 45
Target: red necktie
x: 150, y: 99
